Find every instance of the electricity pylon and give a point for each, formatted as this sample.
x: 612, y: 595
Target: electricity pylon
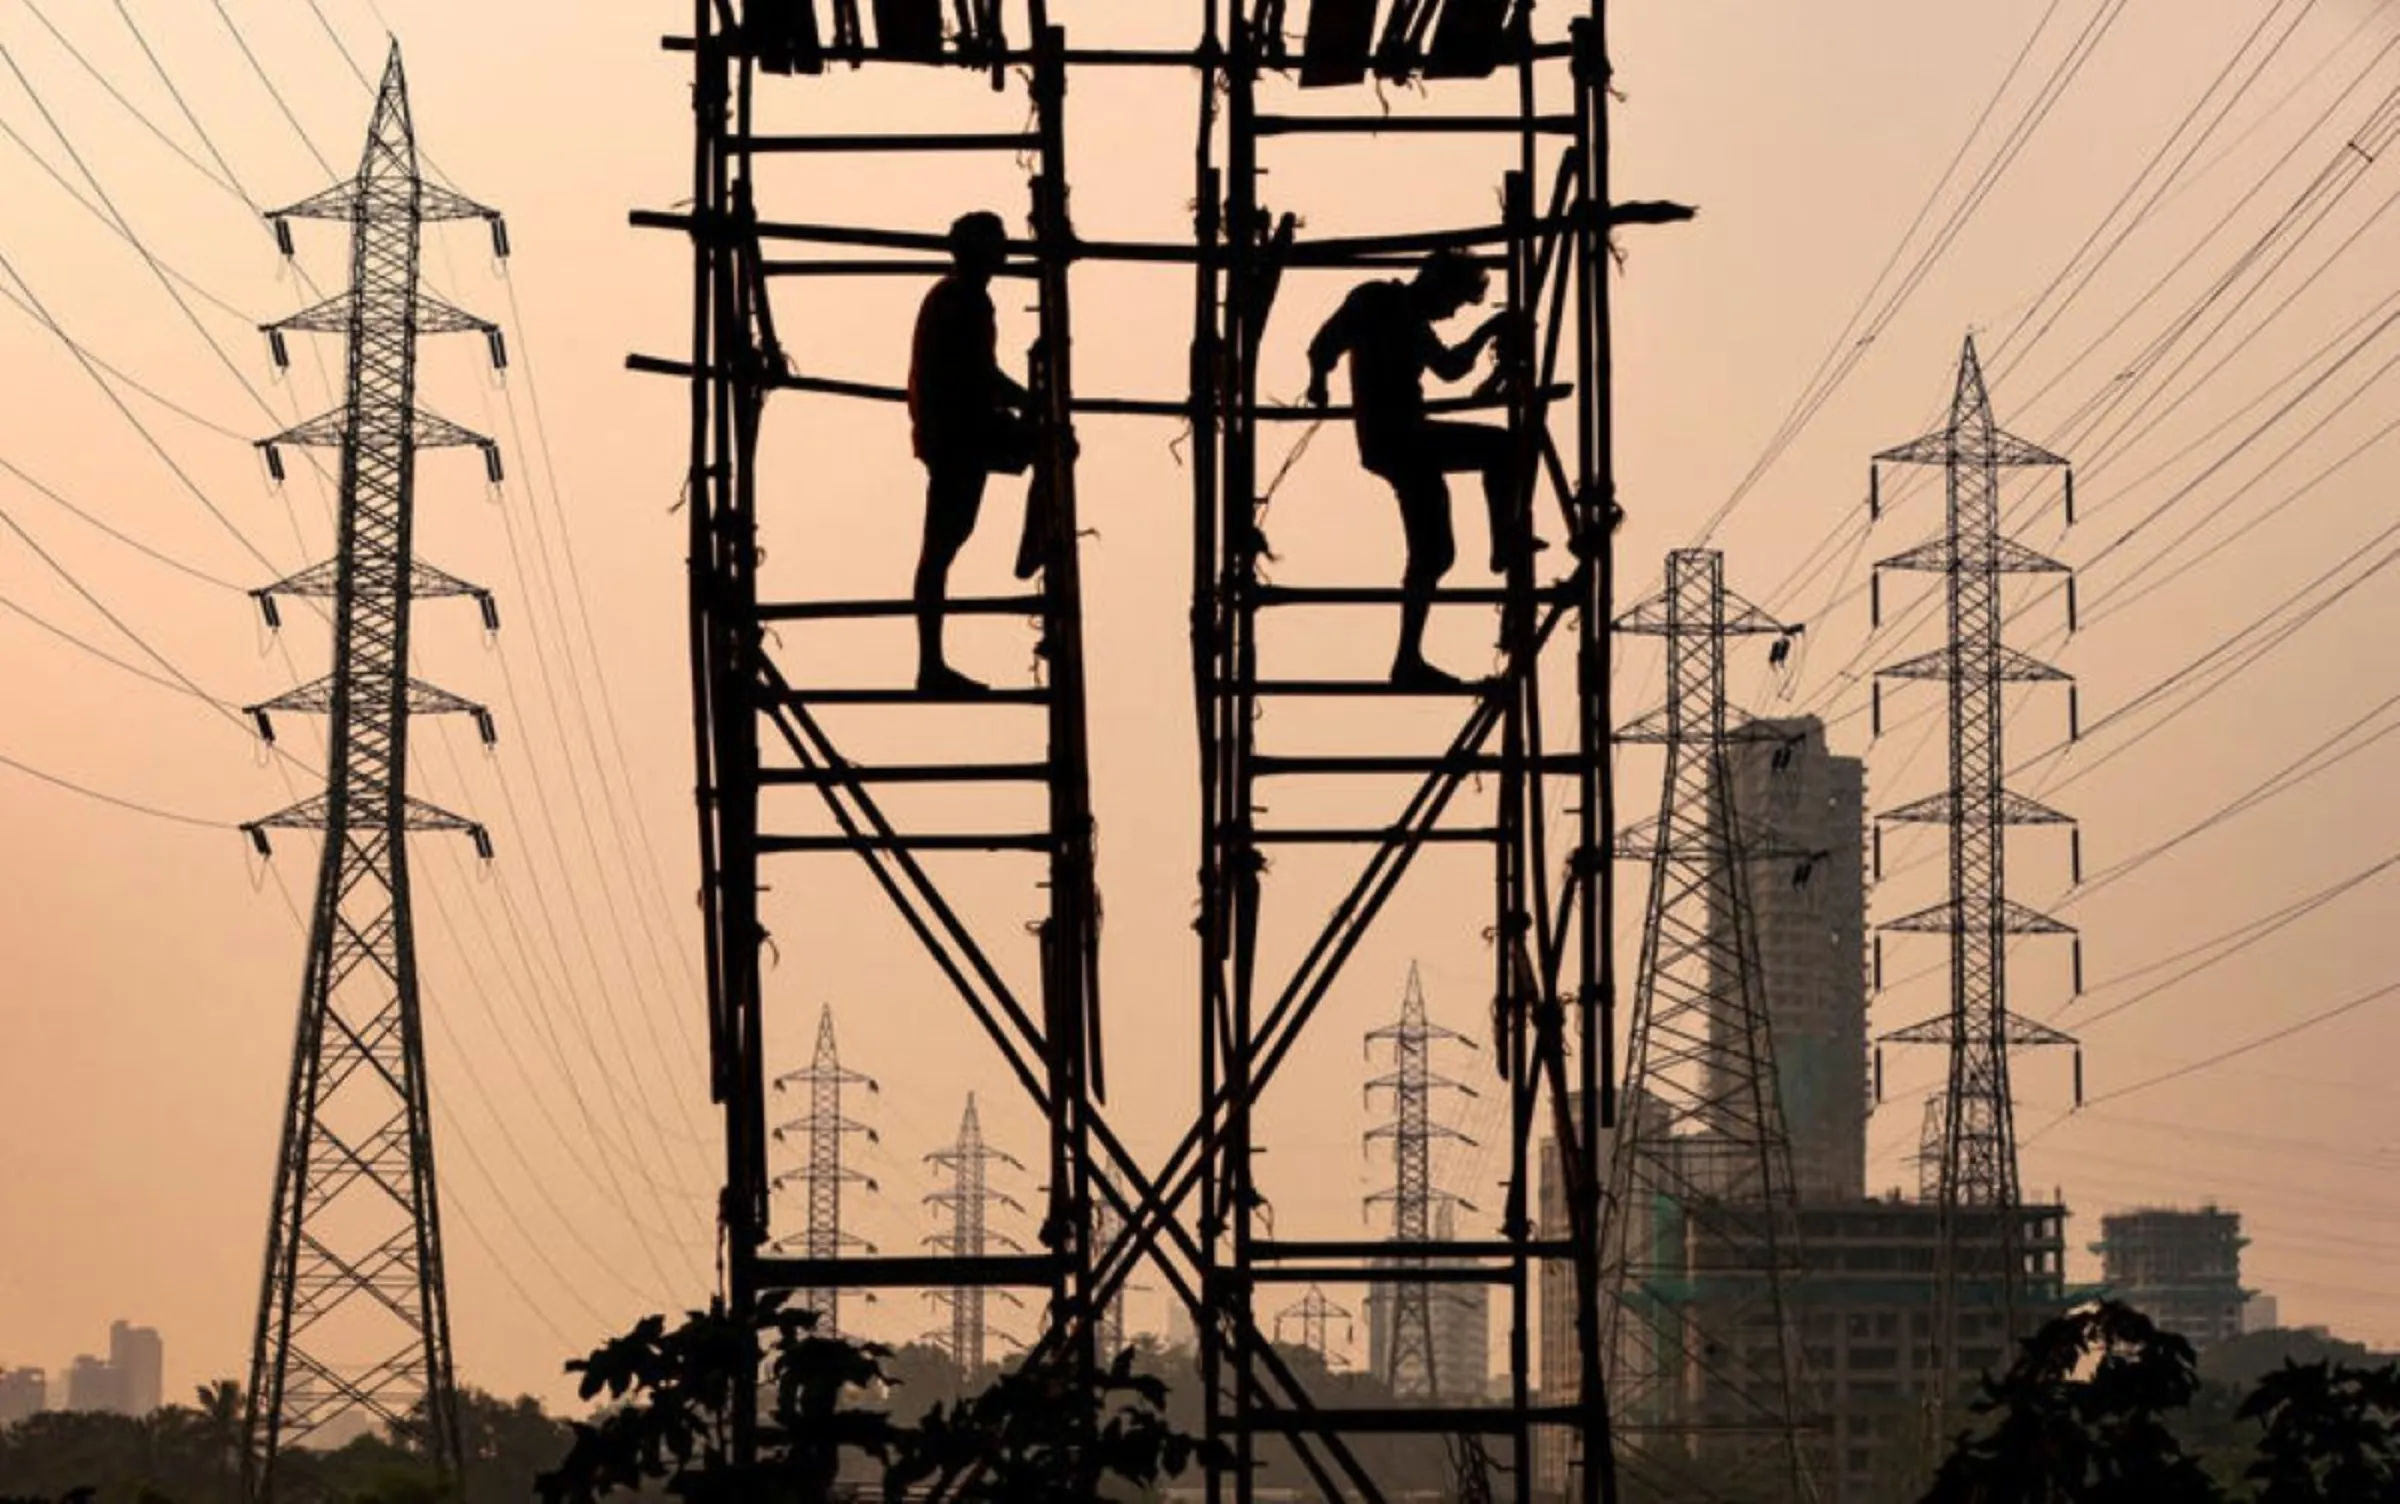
x: 823, y: 1129
x: 353, y: 1318
x: 1700, y: 1244
x: 1976, y: 1166
x: 969, y: 1200
x: 1408, y: 1367
x: 1316, y: 1315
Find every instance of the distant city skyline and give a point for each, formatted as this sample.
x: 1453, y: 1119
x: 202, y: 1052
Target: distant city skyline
x: 129, y: 1380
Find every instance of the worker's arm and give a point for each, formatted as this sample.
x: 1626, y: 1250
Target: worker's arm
x: 1325, y: 352
x: 1009, y: 392
x: 1450, y: 362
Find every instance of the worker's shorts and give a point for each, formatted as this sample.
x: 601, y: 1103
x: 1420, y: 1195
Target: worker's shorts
x: 1416, y: 466
x: 953, y: 501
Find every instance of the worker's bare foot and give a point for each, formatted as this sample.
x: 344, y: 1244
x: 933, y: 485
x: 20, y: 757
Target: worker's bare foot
x: 1417, y: 674
x: 943, y: 680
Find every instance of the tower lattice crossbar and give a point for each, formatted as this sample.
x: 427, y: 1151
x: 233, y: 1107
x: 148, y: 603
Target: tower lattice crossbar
x: 967, y: 1202
x: 1970, y: 1143
x: 1405, y: 1316
x: 822, y: 1131
x: 1701, y: 1250
x: 353, y: 1319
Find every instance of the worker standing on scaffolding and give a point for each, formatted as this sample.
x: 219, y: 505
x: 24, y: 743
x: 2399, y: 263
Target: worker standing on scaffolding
x: 1387, y: 330
x: 967, y: 420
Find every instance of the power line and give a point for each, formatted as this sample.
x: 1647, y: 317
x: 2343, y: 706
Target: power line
x: 191, y: 487
x: 93, y: 520
x: 281, y: 104
x: 2141, y: 215
x: 119, y: 374
x: 2277, y: 1036
x: 2189, y: 319
x: 72, y: 192
x: 90, y: 648
x: 117, y: 801
x: 1843, y: 357
x: 109, y: 85
x: 2282, y: 781
x: 231, y: 180
x: 2225, y: 946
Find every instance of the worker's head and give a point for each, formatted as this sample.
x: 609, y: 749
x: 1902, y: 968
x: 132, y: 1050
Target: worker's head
x: 979, y: 243
x: 1449, y: 280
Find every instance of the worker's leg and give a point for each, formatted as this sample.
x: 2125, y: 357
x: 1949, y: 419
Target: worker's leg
x: 1479, y: 447
x: 953, y: 497
x: 1425, y: 519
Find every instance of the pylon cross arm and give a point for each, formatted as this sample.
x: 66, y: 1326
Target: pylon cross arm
x: 1941, y: 809
x: 323, y: 431
x: 436, y: 202
x: 329, y: 317
x: 1966, y: 447
x: 2012, y: 918
x: 437, y: 432
x: 340, y: 202
x: 2008, y: 664
x: 437, y: 317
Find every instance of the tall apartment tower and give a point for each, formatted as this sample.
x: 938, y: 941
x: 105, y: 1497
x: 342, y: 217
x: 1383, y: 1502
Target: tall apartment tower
x: 1810, y: 912
x: 138, y: 1358
x: 24, y: 1393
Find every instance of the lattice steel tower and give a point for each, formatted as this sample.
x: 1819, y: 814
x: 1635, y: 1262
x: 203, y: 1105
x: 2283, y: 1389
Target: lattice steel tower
x: 353, y: 1319
x: 1316, y: 1313
x: 1702, y: 1235
x: 823, y: 1129
x: 1406, y: 1317
x: 1977, y: 1164
x: 969, y: 1201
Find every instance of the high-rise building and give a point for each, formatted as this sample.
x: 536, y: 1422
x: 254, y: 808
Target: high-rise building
x: 139, y: 1359
x: 129, y: 1381
x: 2182, y: 1269
x: 92, y: 1386
x: 1809, y: 913
x: 23, y: 1392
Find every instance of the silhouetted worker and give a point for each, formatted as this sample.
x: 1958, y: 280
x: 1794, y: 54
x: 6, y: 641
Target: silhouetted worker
x: 965, y: 415
x: 1386, y: 328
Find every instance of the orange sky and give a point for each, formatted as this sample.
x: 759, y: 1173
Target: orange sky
x: 152, y: 968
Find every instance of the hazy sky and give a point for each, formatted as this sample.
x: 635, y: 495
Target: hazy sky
x: 153, y: 963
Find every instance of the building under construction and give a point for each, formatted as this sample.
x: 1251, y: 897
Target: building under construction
x: 2181, y: 1268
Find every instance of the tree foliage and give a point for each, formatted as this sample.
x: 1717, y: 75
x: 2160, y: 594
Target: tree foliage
x: 672, y: 1401
x: 2331, y: 1433
x: 2081, y: 1418
x: 192, y: 1454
